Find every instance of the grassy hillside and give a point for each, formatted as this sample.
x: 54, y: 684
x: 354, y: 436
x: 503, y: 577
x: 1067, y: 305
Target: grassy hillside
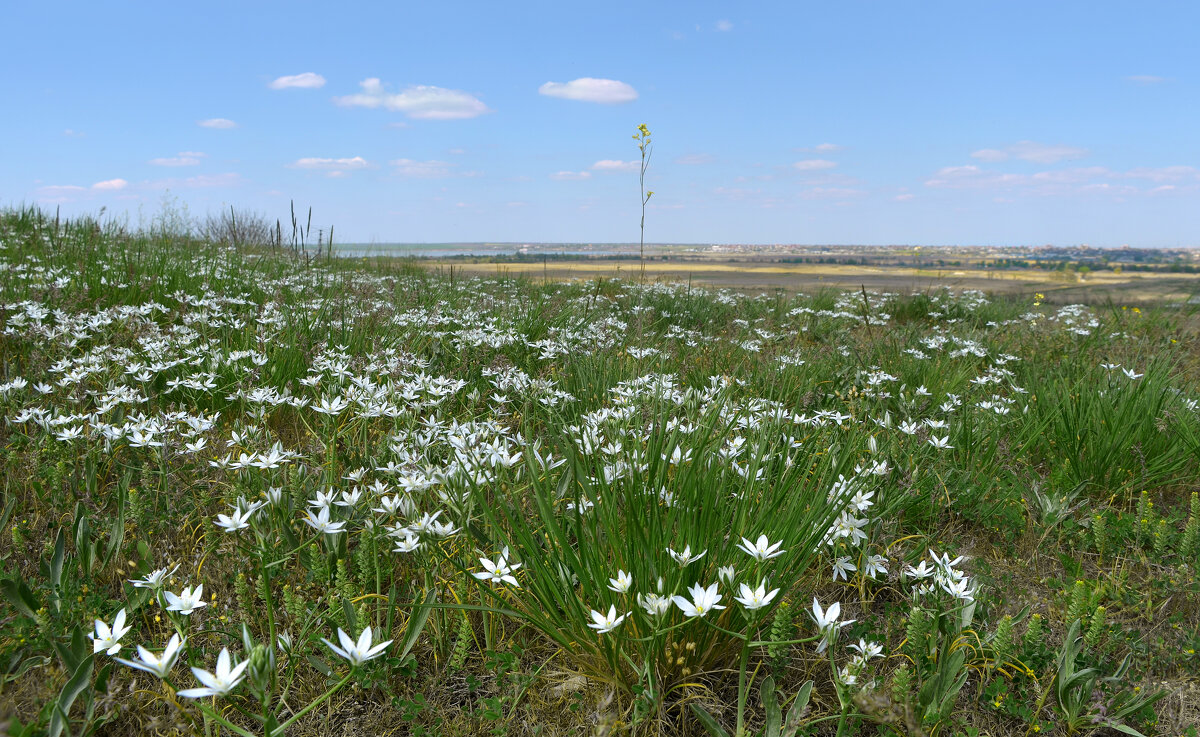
x: 603, y: 507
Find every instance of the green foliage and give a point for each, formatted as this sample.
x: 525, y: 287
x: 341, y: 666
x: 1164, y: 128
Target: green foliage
x: 781, y: 631
x: 1074, y: 688
x: 1003, y: 642
x: 775, y: 725
x: 1189, y: 543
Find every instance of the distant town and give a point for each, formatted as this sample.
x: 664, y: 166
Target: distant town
x: 1047, y: 257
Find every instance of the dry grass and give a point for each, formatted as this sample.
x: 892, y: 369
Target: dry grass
x: 1129, y: 287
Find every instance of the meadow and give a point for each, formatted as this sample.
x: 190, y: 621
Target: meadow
x: 1128, y: 288
x: 250, y: 492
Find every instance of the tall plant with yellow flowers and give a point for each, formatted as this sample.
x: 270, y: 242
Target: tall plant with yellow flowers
x: 644, y: 145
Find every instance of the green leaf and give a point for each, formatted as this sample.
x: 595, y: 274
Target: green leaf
x: 416, y: 623
x: 350, y: 615
x: 770, y: 703
x: 70, y: 692
x: 56, y: 563
x: 20, y: 596
x: 321, y: 666
x: 116, y: 534
x: 709, y: 723
x: 796, y: 713
x: 35, y: 661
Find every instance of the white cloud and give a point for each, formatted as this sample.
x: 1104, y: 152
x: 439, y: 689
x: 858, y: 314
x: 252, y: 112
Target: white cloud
x: 821, y: 148
x: 1165, y: 173
x: 111, y: 184
x: 58, y: 192
x: 1046, y: 154
x: 422, y: 102
x: 694, y: 159
x: 823, y: 193
x: 989, y: 154
x: 1076, y: 175
x: 307, y: 80
x: 904, y: 197
x: 1144, y: 79
x: 200, y: 181
x: 1074, y: 180
x: 1038, y: 153
x: 589, y: 89
x: 228, y: 179
x: 221, y: 123
x: 568, y: 176
x: 972, y: 177
x: 814, y: 165
x: 183, y: 158
x: 614, y: 165
x: 356, y: 162
x: 421, y: 169
x: 724, y: 25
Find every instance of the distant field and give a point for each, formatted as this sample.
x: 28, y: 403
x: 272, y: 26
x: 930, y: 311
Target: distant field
x: 738, y: 273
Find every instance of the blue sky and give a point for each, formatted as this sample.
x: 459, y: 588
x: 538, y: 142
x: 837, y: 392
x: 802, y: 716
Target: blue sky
x: 789, y: 122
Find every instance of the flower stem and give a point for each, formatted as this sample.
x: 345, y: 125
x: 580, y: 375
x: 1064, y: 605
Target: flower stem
x: 283, y: 727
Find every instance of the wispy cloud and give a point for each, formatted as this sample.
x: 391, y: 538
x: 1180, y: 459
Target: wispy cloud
x: 814, y: 165
x: 228, y: 179
x: 570, y: 176
x: 1144, y: 79
x: 830, y: 193
x: 200, y: 181
x: 821, y: 148
x: 431, y: 169
x: 421, y: 102
x: 589, y: 89
x: 971, y: 176
x: 1165, y: 173
x: 110, y: 185
x: 694, y: 159
x: 323, y: 164
x: 219, y: 123
x: 183, y: 158
x: 58, y: 193
x: 724, y: 25
x: 614, y: 165
x: 1074, y: 180
x: 307, y: 81
x: 1038, y: 153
